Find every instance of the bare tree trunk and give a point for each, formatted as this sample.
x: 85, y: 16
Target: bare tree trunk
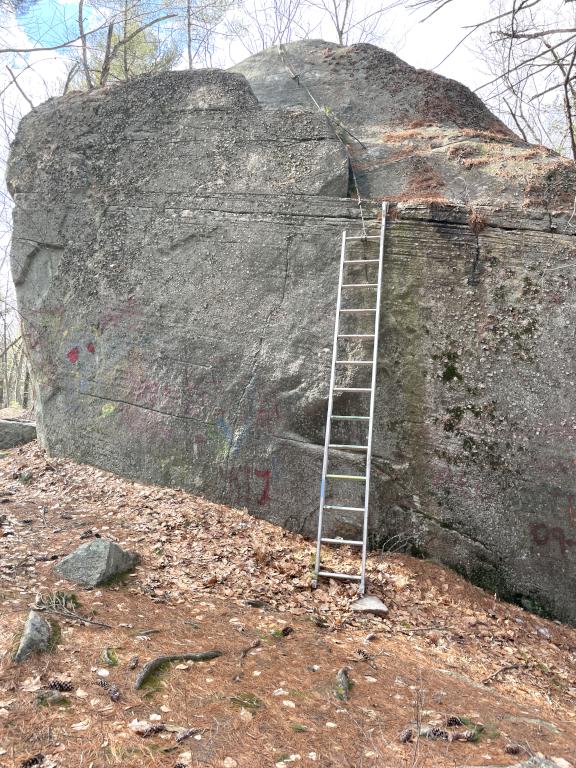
x: 189, y: 32
x: 125, y: 47
x: 17, y: 368
x: 107, y: 61
x: 84, y: 45
x: 71, y: 72
x: 5, y: 391
x: 26, y: 399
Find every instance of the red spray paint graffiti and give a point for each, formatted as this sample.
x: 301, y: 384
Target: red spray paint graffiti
x: 249, y: 486
x: 73, y: 354
x: 545, y: 535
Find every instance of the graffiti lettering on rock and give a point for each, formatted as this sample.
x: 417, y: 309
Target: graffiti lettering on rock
x: 249, y: 486
x: 265, y: 475
x: 546, y: 535
x: 267, y: 415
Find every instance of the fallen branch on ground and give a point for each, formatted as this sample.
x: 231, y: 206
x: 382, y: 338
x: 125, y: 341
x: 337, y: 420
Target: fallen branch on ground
x: 156, y: 663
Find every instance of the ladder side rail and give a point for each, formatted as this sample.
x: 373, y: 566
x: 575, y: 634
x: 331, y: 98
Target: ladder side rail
x: 362, y: 585
x: 329, y: 412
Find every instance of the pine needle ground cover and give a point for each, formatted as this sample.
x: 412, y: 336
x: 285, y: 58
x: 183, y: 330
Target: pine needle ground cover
x: 451, y: 677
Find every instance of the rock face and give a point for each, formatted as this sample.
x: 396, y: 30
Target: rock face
x: 412, y: 134
x: 35, y: 637
x: 14, y: 432
x: 176, y: 257
x: 96, y: 563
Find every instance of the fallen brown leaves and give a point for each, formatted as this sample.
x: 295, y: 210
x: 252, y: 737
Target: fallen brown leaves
x: 214, y: 577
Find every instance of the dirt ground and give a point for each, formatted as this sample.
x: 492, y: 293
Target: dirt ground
x: 506, y: 678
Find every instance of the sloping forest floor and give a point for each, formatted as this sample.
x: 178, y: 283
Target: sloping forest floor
x: 449, y: 662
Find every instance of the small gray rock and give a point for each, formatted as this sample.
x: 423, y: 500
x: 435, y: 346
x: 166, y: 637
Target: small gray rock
x: 95, y: 563
x: 52, y: 698
x: 35, y: 638
x: 370, y: 604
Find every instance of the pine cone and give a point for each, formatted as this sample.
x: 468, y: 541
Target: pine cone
x: 64, y: 686
x: 133, y: 663
x: 103, y: 683
x: 464, y: 736
x: 152, y: 730
x: 179, y: 765
x: 513, y: 749
x: 114, y: 693
x: 186, y: 733
x: 434, y: 733
x: 32, y: 761
x: 454, y: 721
x: 406, y: 736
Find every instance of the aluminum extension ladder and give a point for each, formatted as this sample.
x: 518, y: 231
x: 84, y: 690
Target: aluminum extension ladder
x: 365, y: 419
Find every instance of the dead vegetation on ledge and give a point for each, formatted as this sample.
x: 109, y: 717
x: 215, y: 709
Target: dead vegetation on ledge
x: 448, y: 659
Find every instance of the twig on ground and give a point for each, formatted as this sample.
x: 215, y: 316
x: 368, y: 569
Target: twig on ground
x: 59, y: 604
x: 424, y: 629
x: 418, y: 706
x: 505, y: 668
x: 245, y: 651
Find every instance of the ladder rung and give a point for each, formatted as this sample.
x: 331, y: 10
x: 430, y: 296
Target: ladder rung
x: 343, y: 541
x: 343, y: 447
x: 330, y: 575
x: 359, y: 285
x: 353, y: 389
x: 365, y: 237
x: 350, y: 418
x: 361, y: 261
x: 371, y: 309
x: 355, y: 335
x: 344, y: 509
x: 355, y: 362
x: 348, y: 477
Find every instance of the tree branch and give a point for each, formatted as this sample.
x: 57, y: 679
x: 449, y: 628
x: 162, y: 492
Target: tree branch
x: 141, y: 29
x: 17, y: 84
x: 37, y: 49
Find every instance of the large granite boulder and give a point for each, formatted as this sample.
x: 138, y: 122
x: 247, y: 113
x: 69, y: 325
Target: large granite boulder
x: 175, y: 257
x: 15, y: 432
